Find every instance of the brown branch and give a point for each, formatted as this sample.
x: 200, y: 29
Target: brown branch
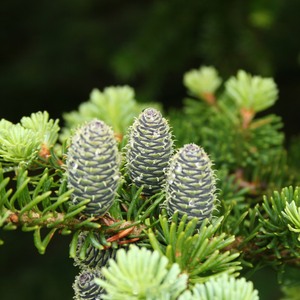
x: 31, y: 218
x: 247, y: 116
x: 286, y: 256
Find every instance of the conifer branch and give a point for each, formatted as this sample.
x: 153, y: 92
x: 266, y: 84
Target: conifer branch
x: 203, y: 215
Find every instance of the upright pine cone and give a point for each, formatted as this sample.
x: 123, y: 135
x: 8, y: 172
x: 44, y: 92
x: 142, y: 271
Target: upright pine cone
x: 149, y: 149
x: 191, y: 183
x: 84, y: 286
x: 93, y: 167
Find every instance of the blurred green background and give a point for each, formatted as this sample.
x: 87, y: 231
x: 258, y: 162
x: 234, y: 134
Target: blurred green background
x: 53, y: 53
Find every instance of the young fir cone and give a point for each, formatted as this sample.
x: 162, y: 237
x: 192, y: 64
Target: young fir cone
x: 93, y: 167
x: 84, y: 286
x: 149, y: 149
x: 191, y: 184
x: 94, y: 257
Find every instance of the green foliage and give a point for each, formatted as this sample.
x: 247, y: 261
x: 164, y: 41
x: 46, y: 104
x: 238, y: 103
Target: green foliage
x: 182, y: 127
x: 277, y: 230
x: 229, y: 134
x: 252, y: 93
x: 5, y: 125
x: 292, y: 213
x: 290, y: 292
x: 197, y: 254
x: 202, y: 82
x: 40, y: 123
x: 229, y: 187
x: 271, y: 174
x: 198, y: 223
x: 116, y: 106
x: 222, y: 288
x: 248, y: 149
x: 21, y: 143
x: 142, y: 274
x: 33, y: 206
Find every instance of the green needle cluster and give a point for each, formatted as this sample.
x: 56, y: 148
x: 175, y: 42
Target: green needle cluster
x: 222, y: 288
x: 142, y: 274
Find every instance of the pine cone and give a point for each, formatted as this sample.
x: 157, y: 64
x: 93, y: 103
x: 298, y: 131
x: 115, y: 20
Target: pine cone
x: 84, y: 286
x: 93, y: 167
x: 94, y: 257
x: 191, y: 183
x: 149, y: 150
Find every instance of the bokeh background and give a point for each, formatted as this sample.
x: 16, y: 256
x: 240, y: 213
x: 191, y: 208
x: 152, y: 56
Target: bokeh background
x: 53, y: 53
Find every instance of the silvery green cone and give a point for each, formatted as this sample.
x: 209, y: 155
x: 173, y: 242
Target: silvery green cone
x: 191, y: 183
x: 93, y: 167
x: 149, y: 149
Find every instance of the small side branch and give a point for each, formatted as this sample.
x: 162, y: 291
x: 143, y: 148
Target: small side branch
x: 33, y: 218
